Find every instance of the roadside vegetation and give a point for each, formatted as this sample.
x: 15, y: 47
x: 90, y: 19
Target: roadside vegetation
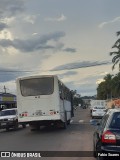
x: 110, y: 87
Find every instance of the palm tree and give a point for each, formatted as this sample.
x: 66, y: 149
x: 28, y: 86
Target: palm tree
x: 116, y: 58
x: 104, y: 89
x: 116, y: 85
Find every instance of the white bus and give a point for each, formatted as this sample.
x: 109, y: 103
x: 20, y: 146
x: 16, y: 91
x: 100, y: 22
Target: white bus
x: 44, y: 100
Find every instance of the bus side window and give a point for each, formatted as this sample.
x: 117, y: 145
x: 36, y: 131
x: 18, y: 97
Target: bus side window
x: 60, y: 89
x: 60, y: 93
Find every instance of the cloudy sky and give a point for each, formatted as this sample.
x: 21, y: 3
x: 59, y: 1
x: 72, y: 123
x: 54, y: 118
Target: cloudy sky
x: 70, y: 38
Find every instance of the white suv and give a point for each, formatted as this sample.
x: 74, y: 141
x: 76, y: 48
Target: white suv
x: 9, y: 119
x: 98, y: 111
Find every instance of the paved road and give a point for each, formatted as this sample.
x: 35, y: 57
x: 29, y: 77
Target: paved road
x: 77, y: 137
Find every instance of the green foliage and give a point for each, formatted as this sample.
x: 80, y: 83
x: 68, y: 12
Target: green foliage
x: 116, y: 53
x: 76, y: 98
x: 110, y: 88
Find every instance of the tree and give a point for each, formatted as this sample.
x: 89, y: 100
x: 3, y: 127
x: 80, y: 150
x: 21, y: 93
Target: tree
x: 104, y: 89
x: 110, y: 87
x: 116, y: 53
x: 76, y: 98
x: 101, y: 91
x: 116, y: 85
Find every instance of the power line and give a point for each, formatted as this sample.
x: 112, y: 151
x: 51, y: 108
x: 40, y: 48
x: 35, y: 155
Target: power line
x: 56, y: 69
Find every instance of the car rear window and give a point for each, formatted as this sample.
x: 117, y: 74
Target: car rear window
x: 115, y: 123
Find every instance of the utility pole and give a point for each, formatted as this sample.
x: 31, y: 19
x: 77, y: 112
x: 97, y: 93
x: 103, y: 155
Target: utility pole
x: 5, y: 89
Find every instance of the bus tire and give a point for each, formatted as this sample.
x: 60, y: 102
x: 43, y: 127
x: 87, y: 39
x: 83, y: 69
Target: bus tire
x: 65, y: 123
x: 15, y: 126
x: 32, y: 127
x: 24, y: 125
x: 68, y: 122
x: 7, y: 128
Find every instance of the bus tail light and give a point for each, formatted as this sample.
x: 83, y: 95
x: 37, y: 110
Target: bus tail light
x: 24, y: 114
x: 51, y: 113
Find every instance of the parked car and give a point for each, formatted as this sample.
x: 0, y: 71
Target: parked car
x: 91, y: 108
x: 9, y: 119
x: 98, y: 111
x: 106, y: 139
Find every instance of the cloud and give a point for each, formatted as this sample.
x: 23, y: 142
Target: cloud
x: 88, y: 90
x: 104, y: 73
x: 3, y: 26
x: 6, y: 34
x: 33, y: 44
x: 72, y: 50
x: 60, y: 47
x: 84, y: 89
x: 7, y: 20
x: 99, y: 81
x: 76, y: 65
x: 5, y: 77
x: 11, y: 7
x: 30, y: 19
x: 34, y: 34
x: 66, y: 74
x: 58, y: 19
x: 8, y: 74
x: 117, y: 19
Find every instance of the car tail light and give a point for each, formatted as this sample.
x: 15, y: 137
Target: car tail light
x: 108, y: 137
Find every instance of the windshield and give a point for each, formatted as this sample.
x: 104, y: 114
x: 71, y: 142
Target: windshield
x: 7, y: 112
x: 37, y: 86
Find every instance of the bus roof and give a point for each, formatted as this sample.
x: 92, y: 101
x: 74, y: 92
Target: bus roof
x: 35, y: 76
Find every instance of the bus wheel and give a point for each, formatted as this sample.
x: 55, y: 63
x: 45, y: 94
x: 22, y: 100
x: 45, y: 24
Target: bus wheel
x: 7, y: 128
x: 24, y: 125
x: 16, y: 126
x: 32, y: 127
x: 68, y: 122
x: 65, y: 123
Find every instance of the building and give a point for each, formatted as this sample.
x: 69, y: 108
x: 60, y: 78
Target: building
x: 7, y: 100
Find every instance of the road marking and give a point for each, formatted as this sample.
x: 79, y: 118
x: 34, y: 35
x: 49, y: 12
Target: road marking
x: 81, y: 121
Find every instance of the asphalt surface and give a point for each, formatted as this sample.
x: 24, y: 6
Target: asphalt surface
x: 77, y: 137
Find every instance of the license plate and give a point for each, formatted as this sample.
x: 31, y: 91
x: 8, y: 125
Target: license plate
x: 38, y: 113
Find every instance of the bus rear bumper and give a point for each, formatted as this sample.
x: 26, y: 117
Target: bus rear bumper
x: 39, y: 118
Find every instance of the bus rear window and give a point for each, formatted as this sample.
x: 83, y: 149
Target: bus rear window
x: 37, y: 86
